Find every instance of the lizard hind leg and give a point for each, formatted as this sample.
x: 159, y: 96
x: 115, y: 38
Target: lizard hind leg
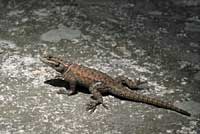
x: 96, y: 96
x: 132, y: 84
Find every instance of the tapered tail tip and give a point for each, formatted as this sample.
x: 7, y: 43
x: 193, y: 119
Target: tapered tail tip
x: 187, y: 113
x: 184, y: 112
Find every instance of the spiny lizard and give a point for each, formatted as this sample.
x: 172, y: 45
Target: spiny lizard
x: 100, y: 83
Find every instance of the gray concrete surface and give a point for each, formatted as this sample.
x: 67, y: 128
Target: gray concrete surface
x: 157, y: 42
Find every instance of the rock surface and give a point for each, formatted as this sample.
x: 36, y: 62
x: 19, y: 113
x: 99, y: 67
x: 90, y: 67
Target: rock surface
x: 153, y: 40
x: 56, y: 35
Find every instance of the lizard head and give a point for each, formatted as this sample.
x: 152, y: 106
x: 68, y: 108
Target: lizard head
x: 54, y: 62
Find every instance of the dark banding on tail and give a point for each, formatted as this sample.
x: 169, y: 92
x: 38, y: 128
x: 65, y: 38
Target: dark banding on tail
x: 162, y: 104
x: 134, y: 96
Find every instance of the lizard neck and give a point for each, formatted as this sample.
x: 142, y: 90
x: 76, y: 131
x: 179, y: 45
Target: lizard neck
x: 67, y: 67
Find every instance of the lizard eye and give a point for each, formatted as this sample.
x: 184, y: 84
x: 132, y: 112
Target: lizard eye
x: 57, y: 65
x: 49, y: 56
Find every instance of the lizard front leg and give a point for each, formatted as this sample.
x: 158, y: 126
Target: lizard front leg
x: 72, y: 84
x: 71, y: 91
x: 132, y: 84
x: 95, y: 89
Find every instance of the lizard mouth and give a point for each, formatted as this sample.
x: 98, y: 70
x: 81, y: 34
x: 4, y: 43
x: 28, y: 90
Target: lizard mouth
x: 50, y: 61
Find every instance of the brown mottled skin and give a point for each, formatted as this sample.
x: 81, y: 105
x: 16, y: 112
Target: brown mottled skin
x: 100, y: 83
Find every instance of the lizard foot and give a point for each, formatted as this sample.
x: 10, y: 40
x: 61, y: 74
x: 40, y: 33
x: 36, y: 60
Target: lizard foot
x: 92, y: 106
x: 105, y: 106
x: 61, y: 91
x: 67, y: 92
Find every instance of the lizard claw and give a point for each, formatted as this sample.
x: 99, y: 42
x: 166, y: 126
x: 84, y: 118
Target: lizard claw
x: 71, y: 92
x: 91, y: 106
x: 104, y: 105
x: 67, y: 92
x: 61, y: 91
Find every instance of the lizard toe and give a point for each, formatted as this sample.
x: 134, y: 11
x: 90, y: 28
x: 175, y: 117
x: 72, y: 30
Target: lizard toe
x: 91, y: 106
x: 61, y: 91
x: 104, y: 105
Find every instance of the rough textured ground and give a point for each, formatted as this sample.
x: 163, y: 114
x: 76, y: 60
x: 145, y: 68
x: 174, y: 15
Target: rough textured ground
x: 156, y: 41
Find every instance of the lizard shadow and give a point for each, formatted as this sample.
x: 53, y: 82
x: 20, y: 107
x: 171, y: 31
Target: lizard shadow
x: 65, y: 84
x: 81, y: 88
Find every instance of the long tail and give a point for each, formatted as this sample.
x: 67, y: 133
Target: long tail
x: 134, y: 96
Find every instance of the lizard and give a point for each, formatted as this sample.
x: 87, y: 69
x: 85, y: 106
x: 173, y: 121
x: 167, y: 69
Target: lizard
x: 99, y: 83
